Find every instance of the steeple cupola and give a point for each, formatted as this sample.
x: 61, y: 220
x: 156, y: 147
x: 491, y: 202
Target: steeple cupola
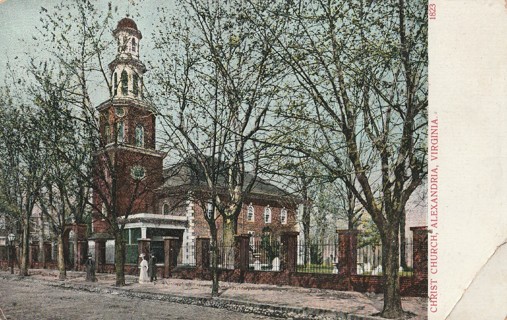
x: 126, y: 69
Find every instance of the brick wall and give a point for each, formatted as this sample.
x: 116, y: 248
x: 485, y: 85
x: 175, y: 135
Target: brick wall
x: 244, y: 226
x: 409, y: 286
x: 146, y: 199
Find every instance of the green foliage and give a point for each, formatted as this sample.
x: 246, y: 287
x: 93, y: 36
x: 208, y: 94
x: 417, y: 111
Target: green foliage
x: 316, y: 253
x: 369, y: 235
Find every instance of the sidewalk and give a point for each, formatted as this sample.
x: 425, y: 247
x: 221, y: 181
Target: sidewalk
x: 275, y: 301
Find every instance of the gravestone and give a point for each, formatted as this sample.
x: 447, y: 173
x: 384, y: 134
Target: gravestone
x: 276, y: 264
x: 360, y: 268
x: 377, y: 271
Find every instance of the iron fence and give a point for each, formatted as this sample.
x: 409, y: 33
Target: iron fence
x: 265, y: 254
x: 225, y: 256
x: 323, y: 256
x: 186, y: 255
x: 317, y: 256
x: 369, y: 259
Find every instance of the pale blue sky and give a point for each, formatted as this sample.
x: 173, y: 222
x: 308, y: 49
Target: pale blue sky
x: 19, y: 18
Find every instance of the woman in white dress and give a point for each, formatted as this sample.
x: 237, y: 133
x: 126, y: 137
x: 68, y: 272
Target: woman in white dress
x: 143, y: 274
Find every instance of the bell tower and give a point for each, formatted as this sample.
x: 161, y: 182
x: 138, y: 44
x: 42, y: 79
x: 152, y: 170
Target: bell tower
x: 126, y: 69
x: 128, y: 162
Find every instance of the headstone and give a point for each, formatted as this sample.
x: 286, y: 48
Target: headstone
x: 276, y: 264
x: 257, y: 265
x: 377, y: 271
x: 335, y: 269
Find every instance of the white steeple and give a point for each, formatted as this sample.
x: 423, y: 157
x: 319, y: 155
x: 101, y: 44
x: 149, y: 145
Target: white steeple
x: 126, y: 69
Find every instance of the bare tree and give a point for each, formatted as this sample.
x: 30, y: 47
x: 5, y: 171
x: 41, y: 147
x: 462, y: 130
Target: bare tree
x: 75, y: 38
x: 363, y: 68
x: 22, y: 165
x: 218, y: 81
x: 64, y: 195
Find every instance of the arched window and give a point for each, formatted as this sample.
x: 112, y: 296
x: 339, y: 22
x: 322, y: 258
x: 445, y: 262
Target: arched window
x: 135, y: 84
x: 134, y: 45
x: 107, y: 133
x: 124, y: 44
x: 120, y: 132
x: 283, y: 216
x: 124, y: 83
x: 267, y: 215
x: 115, y: 84
x: 104, y: 210
x: 139, y: 136
x: 209, y: 210
x: 165, y: 209
x: 250, y: 213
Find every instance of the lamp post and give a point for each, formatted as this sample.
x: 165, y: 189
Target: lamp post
x: 11, y: 239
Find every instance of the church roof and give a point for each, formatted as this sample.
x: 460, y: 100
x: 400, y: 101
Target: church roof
x: 126, y: 23
x: 189, y: 176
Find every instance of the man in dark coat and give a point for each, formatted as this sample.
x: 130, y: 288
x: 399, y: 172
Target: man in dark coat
x: 90, y: 269
x: 152, y: 268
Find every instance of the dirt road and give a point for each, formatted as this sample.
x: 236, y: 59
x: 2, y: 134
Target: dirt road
x: 26, y: 300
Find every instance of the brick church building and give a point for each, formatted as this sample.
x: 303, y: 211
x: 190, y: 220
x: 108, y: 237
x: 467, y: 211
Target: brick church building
x: 155, y: 200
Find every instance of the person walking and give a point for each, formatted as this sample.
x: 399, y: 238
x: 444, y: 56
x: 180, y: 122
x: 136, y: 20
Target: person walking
x: 143, y: 270
x: 90, y: 269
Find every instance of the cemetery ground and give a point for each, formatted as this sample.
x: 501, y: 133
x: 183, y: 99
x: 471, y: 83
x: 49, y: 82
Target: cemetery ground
x: 42, y: 296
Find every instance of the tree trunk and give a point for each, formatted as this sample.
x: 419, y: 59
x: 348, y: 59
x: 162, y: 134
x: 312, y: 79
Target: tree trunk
x: 42, y: 254
x: 23, y: 268
x: 390, y: 265
x: 228, y: 243
x: 61, y: 258
x: 403, y: 242
x: 350, y: 209
x: 306, y: 232
x: 76, y: 253
x: 214, y: 263
x: 119, y: 259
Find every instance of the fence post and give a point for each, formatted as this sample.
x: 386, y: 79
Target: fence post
x: 202, y: 247
x: 170, y: 254
x: 33, y: 254
x: 47, y: 252
x: 420, y: 252
x: 289, y: 251
x: 82, y: 244
x: 82, y: 249
x: 100, y: 254
x: 241, y: 252
x: 347, y: 252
